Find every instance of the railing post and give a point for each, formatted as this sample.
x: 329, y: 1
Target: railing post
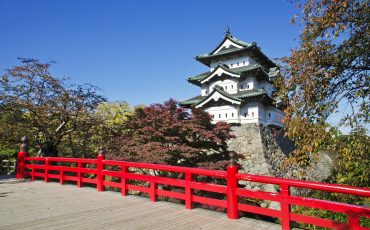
x: 79, y: 180
x: 123, y: 180
x: 153, y: 191
x: 285, y: 207
x: 188, y: 191
x: 61, y: 181
x: 22, y: 154
x: 33, y: 174
x: 46, y: 170
x: 232, y: 184
x: 353, y: 221
x: 99, y: 173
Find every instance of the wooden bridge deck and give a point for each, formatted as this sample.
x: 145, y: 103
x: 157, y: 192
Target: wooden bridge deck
x: 40, y: 205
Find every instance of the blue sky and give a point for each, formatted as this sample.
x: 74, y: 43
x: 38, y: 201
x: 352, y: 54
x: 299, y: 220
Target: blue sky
x: 138, y: 51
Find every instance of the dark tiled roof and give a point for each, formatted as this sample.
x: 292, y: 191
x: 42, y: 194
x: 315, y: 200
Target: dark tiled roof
x: 250, y: 48
x: 250, y: 93
x: 225, y: 51
x: 254, y: 51
x: 231, y: 48
x: 192, y: 101
x: 239, y: 70
x: 241, y: 96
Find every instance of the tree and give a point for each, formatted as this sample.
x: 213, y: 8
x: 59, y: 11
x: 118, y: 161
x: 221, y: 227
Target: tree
x: 328, y: 71
x: 114, y: 115
x: 353, y: 159
x: 35, y: 103
x: 168, y: 134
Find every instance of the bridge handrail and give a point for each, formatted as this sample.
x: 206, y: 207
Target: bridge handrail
x: 124, y: 171
x: 306, y: 184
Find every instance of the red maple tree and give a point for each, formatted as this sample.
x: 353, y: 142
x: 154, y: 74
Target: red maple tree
x: 169, y: 134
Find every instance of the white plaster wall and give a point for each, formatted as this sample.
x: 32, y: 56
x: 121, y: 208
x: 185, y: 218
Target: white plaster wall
x: 252, y: 112
x: 267, y: 86
x: 274, y: 115
x: 234, y: 62
x: 250, y: 81
x: 204, y: 91
x: 229, y: 85
x: 261, y: 112
x: 249, y: 113
x: 227, y: 113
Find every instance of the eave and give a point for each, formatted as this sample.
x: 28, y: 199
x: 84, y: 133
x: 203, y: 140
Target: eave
x: 234, y: 41
x: 243, y: 97
x: 242, y: 71
x: 216, y: 95
x: 253, y: 51
x: 218, y: 71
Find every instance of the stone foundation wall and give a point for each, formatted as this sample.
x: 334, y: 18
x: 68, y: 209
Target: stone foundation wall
x: 262, y: 149
x: 248, y: 142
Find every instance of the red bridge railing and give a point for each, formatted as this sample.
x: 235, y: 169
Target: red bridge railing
x: 125, y: 172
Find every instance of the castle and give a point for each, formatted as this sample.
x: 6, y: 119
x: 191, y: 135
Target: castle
x: 238, y: 90
x: 238, y: 86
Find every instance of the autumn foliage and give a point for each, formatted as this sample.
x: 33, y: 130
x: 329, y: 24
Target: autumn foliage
x: 169, y: 134
x: 327, y: 75
x: 326, y: 79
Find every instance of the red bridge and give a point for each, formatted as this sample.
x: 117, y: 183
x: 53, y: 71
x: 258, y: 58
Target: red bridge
x: 96, y: 171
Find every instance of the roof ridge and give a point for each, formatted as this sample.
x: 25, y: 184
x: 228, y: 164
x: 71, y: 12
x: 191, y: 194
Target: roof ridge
x: 229, y: 50
x: 239, y: 42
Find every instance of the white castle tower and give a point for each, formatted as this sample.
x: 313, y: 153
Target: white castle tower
x: 237, y: 88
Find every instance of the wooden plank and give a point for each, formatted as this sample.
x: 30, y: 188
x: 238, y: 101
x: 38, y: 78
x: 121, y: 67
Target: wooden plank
x: 40, y: 205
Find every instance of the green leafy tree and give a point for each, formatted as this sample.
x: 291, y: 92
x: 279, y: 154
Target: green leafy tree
x: 114, y: 116
x: 353, y: 158
x: 35, y: 103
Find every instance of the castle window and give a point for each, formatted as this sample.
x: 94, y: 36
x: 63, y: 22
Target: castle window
x: 269, y: 114
x: 232, y: 114
x: 225, y: 115
x: 252, y: 114
x: 245, y: 114
x: 243, y: 62
x: 231, y: 65
x: 225, y: 87
x: 237, y: 64
x: 232, y: 86
x: 219, y: 115
x: 241, y: 86
x: 247, y: 86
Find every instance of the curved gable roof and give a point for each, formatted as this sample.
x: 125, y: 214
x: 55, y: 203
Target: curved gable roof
x: 234, y: 44
x: 242, y: 96
x: 218, y: 71
x: 216, y: 94
x: 239, y: 70
x: 237, y: 47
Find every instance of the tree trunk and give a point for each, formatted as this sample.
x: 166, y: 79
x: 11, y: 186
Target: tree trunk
x: 48, y: 150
